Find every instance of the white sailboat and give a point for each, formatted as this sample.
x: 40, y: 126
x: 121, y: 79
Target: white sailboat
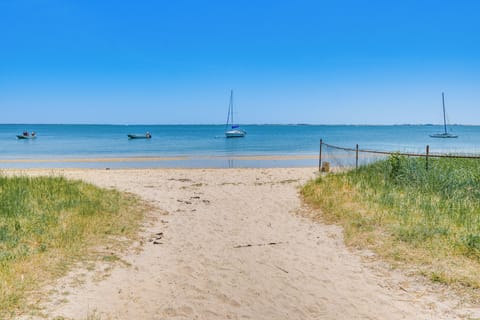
x: 232, y: 130
x: 445, y: 133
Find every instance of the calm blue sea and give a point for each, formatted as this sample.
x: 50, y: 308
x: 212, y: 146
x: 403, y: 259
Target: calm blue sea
x: 205, y: 145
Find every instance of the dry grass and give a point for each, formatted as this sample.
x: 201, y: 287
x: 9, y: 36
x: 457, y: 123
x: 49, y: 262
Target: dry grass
x: 49, y: 223
x: 403, y: 213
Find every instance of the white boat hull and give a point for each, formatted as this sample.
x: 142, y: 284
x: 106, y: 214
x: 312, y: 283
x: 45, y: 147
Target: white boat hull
x: 235, y: 134
x: 443, y: 135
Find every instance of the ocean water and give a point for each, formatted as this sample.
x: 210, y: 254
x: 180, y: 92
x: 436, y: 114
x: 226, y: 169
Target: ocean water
x: 205, y: 145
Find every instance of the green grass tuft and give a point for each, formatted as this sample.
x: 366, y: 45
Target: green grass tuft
x: 47, y: 223
x: 408, y: 213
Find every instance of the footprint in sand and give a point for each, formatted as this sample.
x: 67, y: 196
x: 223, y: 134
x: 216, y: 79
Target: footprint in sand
x: 179, y: 312
x: 155, y: 239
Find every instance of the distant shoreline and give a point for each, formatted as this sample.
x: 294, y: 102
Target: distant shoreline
x: 243, y: 124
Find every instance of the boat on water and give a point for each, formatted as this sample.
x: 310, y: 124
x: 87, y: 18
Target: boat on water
x: 147, y: 135
x: 445, y: 133
x: 26, y: 135
x: 233, y: 130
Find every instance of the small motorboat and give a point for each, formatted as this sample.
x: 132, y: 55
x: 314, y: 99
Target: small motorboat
x: 140, y: 136
x: 26, y: 135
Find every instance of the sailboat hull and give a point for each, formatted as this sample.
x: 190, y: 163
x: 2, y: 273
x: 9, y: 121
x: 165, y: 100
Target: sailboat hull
x: 443, y: 135
x: 235, y: 133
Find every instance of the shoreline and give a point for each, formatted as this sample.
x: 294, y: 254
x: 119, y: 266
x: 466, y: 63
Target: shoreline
x: 143, y: 162
x: 173, y: 158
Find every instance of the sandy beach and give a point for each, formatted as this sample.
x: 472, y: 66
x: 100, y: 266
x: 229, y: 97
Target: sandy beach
x: 237, y: 244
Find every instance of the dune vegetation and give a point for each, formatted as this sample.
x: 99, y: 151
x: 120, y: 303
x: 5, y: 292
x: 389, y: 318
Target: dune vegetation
x: 428, y: 219
x: 49, y: 223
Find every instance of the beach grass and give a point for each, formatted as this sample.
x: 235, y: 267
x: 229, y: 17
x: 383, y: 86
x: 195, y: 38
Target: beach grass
x: 49, y: 223
x: 408, y: 215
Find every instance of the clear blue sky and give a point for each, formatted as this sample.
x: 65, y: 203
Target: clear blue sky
x: 321, y: 62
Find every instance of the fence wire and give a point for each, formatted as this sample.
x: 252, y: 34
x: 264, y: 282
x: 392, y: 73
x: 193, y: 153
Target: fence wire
x: 336, y: 157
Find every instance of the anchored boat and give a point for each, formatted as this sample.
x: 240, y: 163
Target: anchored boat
x: 444, y: 134
x: 232, y: 130
x: 140, y: 136
x: 26, y: 135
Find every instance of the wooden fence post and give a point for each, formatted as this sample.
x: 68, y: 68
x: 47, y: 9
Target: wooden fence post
x: 427, y: 151
x: 320, y: 157
x: 356, y: 157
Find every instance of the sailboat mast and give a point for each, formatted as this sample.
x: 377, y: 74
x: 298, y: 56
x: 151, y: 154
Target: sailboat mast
x: 229, y: 110
x: 231, y: 104
x: 444, y: 119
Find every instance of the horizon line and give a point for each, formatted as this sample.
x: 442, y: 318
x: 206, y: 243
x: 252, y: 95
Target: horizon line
x: 243, y: 124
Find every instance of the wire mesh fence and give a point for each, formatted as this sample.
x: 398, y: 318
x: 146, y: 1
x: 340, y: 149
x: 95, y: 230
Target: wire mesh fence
x: 333, y: 157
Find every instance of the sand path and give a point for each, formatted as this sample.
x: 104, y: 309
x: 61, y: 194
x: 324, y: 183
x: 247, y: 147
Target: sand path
x: 233, y: 248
